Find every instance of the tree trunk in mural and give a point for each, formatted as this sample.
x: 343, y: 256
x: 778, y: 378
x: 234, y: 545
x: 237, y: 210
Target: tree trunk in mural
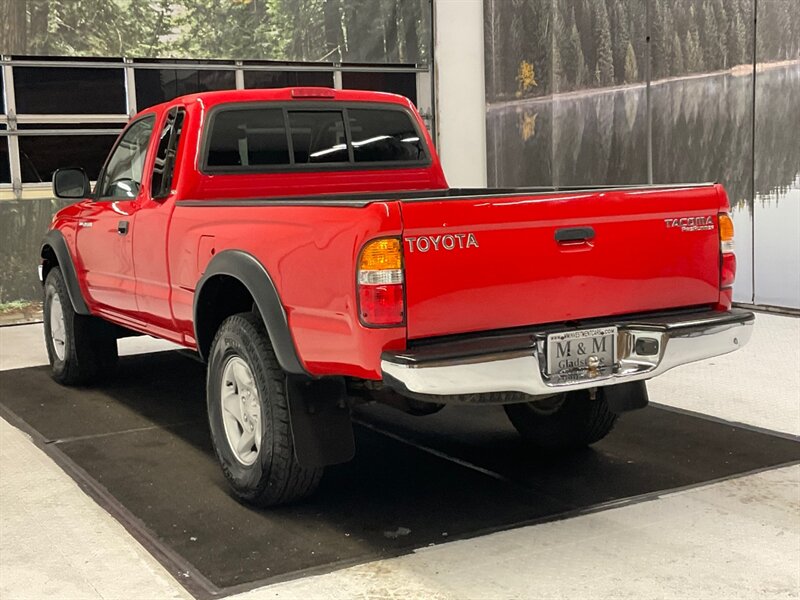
x: 409, y: 14
x: 13, y: 26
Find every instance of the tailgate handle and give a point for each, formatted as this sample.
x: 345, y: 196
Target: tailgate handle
x: 574, y: 234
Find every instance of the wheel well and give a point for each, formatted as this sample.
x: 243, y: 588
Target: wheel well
x: 220, y: 297
x: 49, y: 260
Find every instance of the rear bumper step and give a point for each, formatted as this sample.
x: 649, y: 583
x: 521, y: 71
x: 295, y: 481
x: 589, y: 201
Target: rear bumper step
x: 517, y: 362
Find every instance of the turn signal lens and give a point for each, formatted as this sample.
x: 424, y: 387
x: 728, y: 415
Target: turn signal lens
x: 381, y: 288
x: 378, y: 255
x: 726, y: 232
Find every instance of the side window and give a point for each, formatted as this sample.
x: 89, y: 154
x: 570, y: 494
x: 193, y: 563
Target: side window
x: 384, y: 135
x: 318, y: 137
x: 164, y: 164
x: 123, y: 175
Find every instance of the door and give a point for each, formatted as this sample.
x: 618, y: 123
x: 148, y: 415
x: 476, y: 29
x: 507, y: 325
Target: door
x: 152, y: 226
x: 104, y: 241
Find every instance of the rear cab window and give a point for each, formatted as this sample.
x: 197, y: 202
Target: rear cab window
x: 253, y: 137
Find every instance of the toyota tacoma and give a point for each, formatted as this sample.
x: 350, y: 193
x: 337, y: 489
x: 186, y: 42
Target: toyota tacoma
x: 304, y: 243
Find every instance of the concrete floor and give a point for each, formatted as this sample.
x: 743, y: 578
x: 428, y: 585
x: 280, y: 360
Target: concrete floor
x: 735, y: 539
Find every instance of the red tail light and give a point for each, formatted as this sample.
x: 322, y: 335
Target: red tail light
x: 728, y: 272
x: 313, y: 92
x: 381, y: 293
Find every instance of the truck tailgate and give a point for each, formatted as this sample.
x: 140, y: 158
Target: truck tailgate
x: 492, y: 262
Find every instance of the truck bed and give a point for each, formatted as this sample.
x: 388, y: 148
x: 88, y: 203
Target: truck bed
x: 357, y: 200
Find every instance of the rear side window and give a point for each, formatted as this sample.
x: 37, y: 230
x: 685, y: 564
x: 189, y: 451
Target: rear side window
x: 283, y: 137
x: 248, y: 138
x: 383, y: 136
x: 164, y: 165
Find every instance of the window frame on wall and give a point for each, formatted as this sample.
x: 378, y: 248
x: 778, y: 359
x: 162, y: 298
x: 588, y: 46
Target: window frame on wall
x: 15, y: 127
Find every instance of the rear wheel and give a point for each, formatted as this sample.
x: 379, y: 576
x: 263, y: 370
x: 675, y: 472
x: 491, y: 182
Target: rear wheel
x: 567, y: 421
x: 81, y: 348
x: 248, y: 413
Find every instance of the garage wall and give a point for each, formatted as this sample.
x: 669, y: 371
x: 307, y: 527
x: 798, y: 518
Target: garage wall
x: 568, y: 103
x: 460, y: 97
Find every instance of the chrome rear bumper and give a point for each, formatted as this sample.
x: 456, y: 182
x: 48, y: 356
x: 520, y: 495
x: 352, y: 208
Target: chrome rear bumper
x: 517, y: 362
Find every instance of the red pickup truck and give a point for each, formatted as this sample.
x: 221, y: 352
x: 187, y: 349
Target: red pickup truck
x: 305, y: 244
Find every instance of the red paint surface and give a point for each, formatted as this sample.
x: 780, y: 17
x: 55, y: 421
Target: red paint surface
x: 517, y: 275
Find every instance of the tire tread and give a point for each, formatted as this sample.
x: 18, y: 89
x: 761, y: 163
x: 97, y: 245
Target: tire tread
x: 284, y: 480
x: 91, y: 351
x: 579, y: 422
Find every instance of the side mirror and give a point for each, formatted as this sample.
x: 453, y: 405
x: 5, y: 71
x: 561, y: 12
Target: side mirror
x: 71, y: 184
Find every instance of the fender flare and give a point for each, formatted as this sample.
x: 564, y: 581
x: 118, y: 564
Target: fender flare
x: 55, y: 240
x: 251, y: 273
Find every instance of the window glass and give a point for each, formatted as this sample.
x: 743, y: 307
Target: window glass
x: 278, y: 79
x: 164, y: 163
x: 72, y: 90
x: 5, y: 169
x: 123, y: 175
x: 154, y: 86
x: 248, y: 138
x: 2, y: 95
x: 384, y: 135
x: 404, y: 84
x: 318, y: 137
x: 40, y: 156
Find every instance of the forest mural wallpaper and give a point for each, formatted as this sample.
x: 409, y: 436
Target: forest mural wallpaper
x: 374, y: 31
x: 567, y: 105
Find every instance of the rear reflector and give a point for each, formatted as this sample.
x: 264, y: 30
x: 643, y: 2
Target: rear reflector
x: 380, y: 278
x: 381, y: 305
x: 728, y: 271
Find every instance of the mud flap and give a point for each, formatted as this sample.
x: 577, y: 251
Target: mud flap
x: 625, y: 397
x: 320, y: 420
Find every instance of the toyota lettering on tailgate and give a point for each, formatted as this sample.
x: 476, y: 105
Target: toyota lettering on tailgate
x: 424, y: 243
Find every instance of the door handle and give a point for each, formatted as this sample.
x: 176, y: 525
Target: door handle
x: 122, y: 227
x: 574, y: 234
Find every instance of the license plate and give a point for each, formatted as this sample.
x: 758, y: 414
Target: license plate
x: 584, y: 354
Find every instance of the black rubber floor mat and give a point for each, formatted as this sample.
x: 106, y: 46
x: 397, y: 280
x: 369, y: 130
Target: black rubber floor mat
x: 142, y: 439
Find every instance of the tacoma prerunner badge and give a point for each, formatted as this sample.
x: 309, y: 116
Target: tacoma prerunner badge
x: 305, y: 244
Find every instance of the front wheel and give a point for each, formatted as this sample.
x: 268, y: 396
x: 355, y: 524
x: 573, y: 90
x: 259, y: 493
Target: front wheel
x: 248, y: 411
x: 567, y: 421
x: 81, y: 348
